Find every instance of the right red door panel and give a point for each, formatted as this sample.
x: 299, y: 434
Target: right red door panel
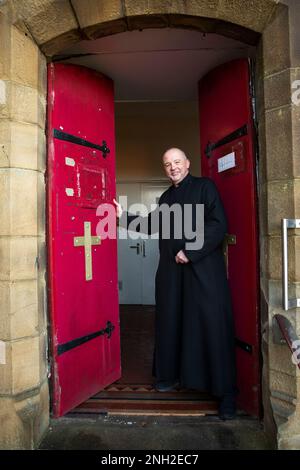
x: 228, y: 157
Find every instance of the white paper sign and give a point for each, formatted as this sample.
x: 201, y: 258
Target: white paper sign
x: 226, y: 162
x: 70, y: 161
x: 69, y: 191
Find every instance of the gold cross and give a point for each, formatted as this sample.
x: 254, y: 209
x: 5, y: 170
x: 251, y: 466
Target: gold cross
x: 87, y: 241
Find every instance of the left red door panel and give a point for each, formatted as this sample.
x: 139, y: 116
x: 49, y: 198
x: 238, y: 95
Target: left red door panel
x: 83, y: 291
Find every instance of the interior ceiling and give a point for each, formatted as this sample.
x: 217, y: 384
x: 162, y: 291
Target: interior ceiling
x: 156, y: 64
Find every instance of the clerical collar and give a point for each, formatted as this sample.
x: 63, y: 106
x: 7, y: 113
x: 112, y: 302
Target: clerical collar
x: 183, y: 182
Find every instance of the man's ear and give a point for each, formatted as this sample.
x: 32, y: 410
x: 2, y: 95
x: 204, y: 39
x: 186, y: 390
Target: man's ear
x: 189, y: 163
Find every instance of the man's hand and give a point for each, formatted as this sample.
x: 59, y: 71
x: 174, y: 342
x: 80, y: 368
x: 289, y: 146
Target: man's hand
x: 181, y: 258
x: 119, y: 209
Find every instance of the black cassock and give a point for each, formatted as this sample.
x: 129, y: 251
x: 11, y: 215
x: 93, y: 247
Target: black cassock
x: 194, y: 330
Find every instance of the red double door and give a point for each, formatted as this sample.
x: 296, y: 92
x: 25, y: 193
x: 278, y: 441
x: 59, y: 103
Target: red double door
x: 82, y: 279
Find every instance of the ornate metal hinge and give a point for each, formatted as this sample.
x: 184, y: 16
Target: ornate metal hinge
x: 79, y: 141
x: 211, y: 146
x: 62, y: 348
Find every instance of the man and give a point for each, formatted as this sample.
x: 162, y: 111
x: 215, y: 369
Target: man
x: 194, y: 332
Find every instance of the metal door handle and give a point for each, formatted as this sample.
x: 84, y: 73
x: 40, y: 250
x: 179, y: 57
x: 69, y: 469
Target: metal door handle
x: 144, y: 249
x: 230, y: 239
x: 137, y: 247
x: 286, y: 302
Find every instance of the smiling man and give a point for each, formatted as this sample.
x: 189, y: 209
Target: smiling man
x: 176, y: 166
x: 194, y: 332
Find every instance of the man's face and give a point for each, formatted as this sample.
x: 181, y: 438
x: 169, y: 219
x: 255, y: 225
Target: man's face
x: 176, y: 166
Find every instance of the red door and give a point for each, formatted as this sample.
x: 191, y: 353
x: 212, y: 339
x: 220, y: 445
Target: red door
x: 82, y: 268
x: 228, y: 157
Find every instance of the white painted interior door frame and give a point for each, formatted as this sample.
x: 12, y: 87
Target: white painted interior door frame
x: 138, y: 256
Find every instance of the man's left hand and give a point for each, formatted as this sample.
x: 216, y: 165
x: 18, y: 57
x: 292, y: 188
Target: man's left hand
x: 181, y: 258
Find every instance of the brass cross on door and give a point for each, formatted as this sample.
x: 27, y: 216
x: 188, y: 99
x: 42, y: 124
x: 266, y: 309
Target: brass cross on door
x: 87, y: 241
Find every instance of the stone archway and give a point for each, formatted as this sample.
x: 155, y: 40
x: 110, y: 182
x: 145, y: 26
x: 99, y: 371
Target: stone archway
x: 33, y: 31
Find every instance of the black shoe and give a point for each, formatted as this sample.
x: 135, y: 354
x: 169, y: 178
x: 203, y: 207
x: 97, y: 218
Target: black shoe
x: 227, y: 407
x: 165, y: 386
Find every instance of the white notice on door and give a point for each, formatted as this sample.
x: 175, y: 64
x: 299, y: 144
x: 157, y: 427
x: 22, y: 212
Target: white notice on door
x: 226, y: 162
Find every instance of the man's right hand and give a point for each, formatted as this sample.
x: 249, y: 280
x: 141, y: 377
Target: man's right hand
x: 181, y: 258
x: 119, y: 209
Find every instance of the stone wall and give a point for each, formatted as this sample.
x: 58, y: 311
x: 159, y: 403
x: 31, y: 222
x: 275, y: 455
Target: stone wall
x: 24, y: 409
x: 278, y: 126
x: 49, y: 26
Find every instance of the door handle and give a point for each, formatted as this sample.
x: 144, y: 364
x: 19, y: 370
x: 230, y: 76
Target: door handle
x: 286, y: 302
x: 230, y: 239
x: 137, y: 247
x: 144, y: 249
